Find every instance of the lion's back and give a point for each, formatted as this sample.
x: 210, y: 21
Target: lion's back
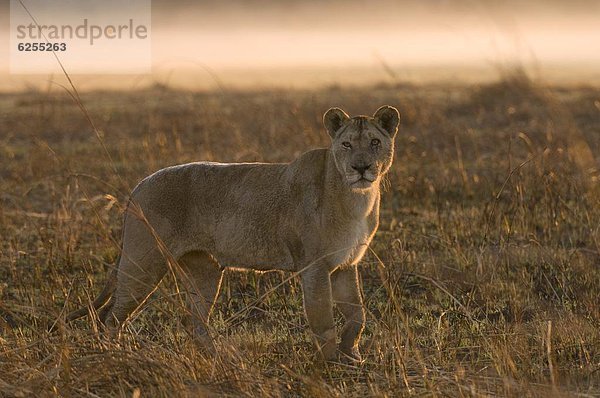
x: 215, y: 204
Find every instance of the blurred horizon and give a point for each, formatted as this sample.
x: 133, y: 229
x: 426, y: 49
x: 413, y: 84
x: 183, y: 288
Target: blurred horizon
x: 293, y: 43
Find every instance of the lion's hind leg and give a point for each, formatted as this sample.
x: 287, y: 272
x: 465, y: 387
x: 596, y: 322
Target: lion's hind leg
x: 137, y: 279
x: 201, y: 278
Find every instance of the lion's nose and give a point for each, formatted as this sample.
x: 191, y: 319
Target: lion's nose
x: 362, y: 168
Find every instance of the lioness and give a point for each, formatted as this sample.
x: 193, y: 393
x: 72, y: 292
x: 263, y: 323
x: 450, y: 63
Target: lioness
x: 315, y: 215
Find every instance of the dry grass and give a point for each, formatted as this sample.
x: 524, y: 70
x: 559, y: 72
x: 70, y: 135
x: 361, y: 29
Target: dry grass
x: 483, y: 278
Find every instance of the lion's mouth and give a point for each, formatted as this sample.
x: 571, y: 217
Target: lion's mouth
x: 361, y: 181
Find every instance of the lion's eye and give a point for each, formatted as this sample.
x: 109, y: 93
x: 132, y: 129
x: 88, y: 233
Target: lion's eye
x: 346, y: 145
x: 375, y: 142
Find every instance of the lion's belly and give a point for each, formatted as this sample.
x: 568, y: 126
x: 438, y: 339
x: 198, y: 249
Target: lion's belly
x: 253, y: 246
x: 261, y: 259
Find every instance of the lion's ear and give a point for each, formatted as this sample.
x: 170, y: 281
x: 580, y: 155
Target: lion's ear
x: 334, y: 119
x: 388, y: 118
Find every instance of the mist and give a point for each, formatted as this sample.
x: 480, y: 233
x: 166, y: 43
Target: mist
x: 295, y: 43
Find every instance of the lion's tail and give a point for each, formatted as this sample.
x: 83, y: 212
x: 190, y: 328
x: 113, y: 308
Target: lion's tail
x: 101, y: 300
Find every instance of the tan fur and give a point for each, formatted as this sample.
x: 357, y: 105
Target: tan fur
x: 315, y: 215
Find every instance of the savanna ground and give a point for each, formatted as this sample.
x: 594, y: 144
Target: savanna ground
x: 483, y: 278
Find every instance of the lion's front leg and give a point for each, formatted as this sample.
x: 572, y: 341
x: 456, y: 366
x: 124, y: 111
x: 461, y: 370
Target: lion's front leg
x: 318, y: 305
x: 346, y: 295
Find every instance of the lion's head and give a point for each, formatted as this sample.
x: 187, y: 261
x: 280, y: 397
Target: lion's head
x: 362, y: 146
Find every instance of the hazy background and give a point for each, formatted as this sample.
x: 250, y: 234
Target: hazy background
x: 305, y: 43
